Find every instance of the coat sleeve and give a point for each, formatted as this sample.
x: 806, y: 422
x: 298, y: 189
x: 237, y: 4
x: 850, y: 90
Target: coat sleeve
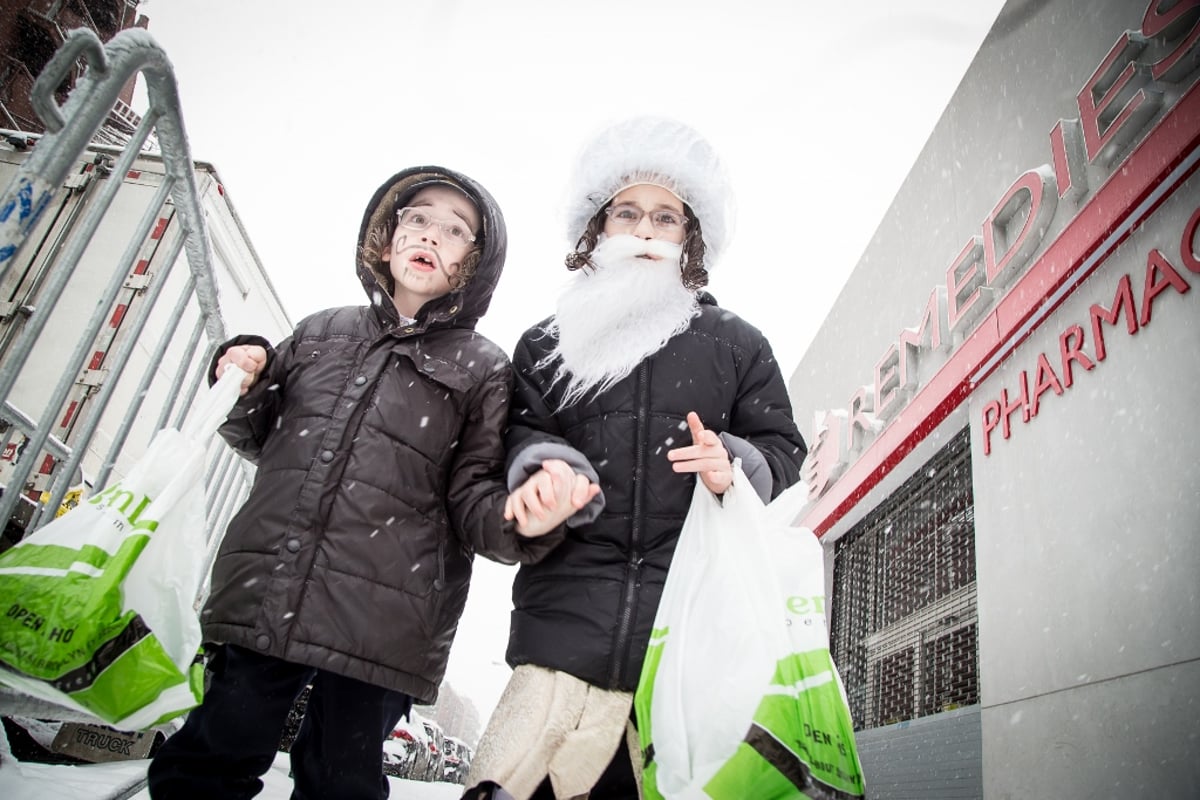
x: 530, y: 420
x: 534, y: 434
x: 762, y: 417
x: 476, y: 490
x: 253, y: 416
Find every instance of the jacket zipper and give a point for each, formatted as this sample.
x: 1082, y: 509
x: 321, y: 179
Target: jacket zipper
x: 632, y: 575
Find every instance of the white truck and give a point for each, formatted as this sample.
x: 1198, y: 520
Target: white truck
x: 111, y: 300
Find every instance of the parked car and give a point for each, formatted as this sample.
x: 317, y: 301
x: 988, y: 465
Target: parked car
x: 436, y: 747
x: 456, y: 761
x: 406, y: 751
x: 399, y: 755
x: 418, y: 750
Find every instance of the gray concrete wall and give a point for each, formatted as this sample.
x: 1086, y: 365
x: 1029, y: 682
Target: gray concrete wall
x: 1087, y: 524
x: 1022, y: 82
x: 930, y: 758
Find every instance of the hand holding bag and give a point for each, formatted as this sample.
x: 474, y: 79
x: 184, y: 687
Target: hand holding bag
x: 738, y: 695
x: 98, y: 603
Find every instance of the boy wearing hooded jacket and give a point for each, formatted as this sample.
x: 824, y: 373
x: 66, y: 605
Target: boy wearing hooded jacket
x: 642, y: 378
x: 377, y: 433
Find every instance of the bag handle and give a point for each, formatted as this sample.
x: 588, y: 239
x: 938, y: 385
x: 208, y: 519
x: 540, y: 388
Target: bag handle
x: 208, y: 414
x: 783, y: 512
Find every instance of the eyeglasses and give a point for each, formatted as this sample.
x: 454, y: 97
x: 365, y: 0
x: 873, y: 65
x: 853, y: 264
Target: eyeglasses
x: 628, y: 215
x: 416, y: 219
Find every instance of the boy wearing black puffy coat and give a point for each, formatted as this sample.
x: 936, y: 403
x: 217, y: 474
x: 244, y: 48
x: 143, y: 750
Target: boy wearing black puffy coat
x: 377, y: 435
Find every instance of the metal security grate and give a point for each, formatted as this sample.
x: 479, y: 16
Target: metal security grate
x: 904, y: 619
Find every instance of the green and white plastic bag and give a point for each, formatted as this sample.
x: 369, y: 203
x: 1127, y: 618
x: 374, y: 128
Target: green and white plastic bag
x: 738, y: 695
x: 98, y: 604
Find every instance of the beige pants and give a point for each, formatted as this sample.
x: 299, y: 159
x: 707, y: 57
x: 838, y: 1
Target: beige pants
x: 549, y: 723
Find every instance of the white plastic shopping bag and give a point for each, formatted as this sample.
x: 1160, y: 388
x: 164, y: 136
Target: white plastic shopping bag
x: 738, y: 695
x: 99, y: 602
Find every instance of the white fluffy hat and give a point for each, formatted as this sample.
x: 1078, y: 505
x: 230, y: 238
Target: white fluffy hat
x: 653, y: 150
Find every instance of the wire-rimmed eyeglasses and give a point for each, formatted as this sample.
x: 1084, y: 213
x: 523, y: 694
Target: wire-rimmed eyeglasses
x: 418, y: 219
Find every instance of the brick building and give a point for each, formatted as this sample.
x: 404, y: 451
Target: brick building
x: 30, y: 33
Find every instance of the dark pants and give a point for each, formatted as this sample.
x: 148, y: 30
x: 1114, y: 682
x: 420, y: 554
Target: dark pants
x: 232, y: 738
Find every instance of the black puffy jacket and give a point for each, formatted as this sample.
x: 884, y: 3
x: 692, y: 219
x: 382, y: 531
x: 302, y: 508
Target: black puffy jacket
x: 380, y: 473
x: 588, y: 607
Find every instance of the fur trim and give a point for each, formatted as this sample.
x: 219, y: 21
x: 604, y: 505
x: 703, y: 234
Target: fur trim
x: 463, y: 306
x: 660, y: 151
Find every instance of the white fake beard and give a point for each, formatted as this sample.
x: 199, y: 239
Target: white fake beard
x: 610, y: 319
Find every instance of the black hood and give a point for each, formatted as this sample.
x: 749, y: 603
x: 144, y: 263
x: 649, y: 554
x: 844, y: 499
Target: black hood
x: 462, y: 307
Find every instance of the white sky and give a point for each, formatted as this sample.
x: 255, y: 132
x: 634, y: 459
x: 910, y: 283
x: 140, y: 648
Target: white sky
x: 819, y: 109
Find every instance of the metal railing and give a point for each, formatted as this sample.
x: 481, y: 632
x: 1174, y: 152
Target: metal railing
x: 71, y: 129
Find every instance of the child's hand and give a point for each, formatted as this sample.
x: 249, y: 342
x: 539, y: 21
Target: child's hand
x: 706, y: 455
x: 249, y: 357
x: 548, y: 498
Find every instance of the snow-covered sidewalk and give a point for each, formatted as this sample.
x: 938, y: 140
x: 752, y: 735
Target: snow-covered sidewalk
x: 20, y: 780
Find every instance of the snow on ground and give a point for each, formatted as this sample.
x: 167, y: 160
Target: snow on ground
x: 21, y: 780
